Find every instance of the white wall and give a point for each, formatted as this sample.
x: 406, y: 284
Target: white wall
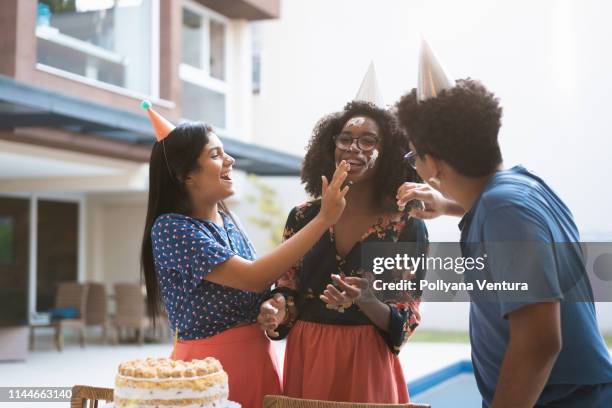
x: 238, y: 57
x: 115, y: 223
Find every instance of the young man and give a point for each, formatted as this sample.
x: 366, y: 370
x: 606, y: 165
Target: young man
x: 542, y: 350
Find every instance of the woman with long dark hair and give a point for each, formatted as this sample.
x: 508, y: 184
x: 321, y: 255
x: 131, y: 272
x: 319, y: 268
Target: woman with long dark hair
x: 200, y: 264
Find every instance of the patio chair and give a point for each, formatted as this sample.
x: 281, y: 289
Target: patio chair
x: 278, y: 401
x: 69, y: 296
x: 130, y: 311
x: 96, y: 314
x: 88, y: 397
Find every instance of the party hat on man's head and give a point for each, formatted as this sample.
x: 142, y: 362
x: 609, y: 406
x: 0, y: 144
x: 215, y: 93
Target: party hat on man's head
x: 432, y: 77
x: 161, y: 125
x: 369, y: 90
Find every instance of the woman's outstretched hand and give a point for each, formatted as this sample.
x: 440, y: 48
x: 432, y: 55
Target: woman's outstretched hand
x: 272, y: 313
x: 357, y: 290
x: 332, y: 194
x: 349, y: 290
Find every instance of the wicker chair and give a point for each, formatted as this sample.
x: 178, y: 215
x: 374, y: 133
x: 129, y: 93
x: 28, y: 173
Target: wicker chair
x: 96, y: 314
x: 88, y: 397
x: 74, y: 295
x: 277, y: 401
x: 130, y: 312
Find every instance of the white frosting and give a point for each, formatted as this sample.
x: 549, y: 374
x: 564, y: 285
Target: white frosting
x: 170, y: 393
x: 356, y: 121
x: 372, y: 159
x: 146, y: 390
x: 157, y: 379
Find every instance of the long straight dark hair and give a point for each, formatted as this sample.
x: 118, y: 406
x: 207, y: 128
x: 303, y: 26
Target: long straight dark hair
x: 170, y: 163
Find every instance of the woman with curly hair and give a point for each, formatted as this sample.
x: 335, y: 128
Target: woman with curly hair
x: 342, y: 339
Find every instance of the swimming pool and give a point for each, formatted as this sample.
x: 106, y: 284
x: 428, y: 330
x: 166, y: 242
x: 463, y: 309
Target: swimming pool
x: 451, y: 387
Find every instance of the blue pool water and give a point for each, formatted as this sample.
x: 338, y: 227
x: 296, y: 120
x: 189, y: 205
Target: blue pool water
x: 451, y: 387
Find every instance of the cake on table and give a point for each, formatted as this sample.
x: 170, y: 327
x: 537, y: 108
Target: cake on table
x: 166, y: 383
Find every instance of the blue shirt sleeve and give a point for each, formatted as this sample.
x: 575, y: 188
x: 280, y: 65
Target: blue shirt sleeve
x: 520, y: 249
x: 181, y: 245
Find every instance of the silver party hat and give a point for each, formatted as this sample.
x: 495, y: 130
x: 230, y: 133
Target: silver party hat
x: 432, y: 77
x: 369, y: 90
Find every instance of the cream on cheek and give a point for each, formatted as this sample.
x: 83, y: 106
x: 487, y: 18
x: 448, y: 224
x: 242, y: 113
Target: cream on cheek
x: 371, y: 161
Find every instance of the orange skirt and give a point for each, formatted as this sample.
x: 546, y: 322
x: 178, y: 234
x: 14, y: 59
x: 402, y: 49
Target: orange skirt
x: 342, y: 363
x: 247, y: 356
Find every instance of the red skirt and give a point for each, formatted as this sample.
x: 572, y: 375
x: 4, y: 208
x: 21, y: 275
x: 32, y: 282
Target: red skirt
x: 247, y: 356
x: 342, y: 363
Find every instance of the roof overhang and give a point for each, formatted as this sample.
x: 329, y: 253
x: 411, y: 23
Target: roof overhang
x: 26, y: 106
x: 245, y: 9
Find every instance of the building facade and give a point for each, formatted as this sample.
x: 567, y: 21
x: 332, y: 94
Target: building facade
x: 74, y: 144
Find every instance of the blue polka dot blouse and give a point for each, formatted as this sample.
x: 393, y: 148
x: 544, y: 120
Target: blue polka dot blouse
x: 185, y: 251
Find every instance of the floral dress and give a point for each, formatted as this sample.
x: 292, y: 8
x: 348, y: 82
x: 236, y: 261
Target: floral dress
x: 342, y: 356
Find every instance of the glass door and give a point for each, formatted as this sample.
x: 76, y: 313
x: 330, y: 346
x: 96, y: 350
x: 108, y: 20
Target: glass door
x: 57, y: 249
x: 14, y: 260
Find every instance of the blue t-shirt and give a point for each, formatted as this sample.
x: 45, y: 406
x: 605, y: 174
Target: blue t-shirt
x: 527, y: 231
x: 185, y: 251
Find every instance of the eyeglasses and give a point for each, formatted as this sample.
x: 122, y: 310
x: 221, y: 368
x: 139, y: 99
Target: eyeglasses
x: 410, y: 158
x: 364, y: 143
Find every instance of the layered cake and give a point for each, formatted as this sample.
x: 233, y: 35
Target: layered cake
x: 165, y: 383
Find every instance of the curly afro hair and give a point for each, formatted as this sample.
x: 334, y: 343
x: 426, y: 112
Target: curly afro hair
x: 459, y: 126
x: 391, y: 171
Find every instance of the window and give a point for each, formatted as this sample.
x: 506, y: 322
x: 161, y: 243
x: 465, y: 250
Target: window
x: 110, y: 41
x: 203, y: 66
x: 200, y: 103
x: 14, y: 260
x: 192, y: 39
x: 7, y: 240
x: 57, y: 244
